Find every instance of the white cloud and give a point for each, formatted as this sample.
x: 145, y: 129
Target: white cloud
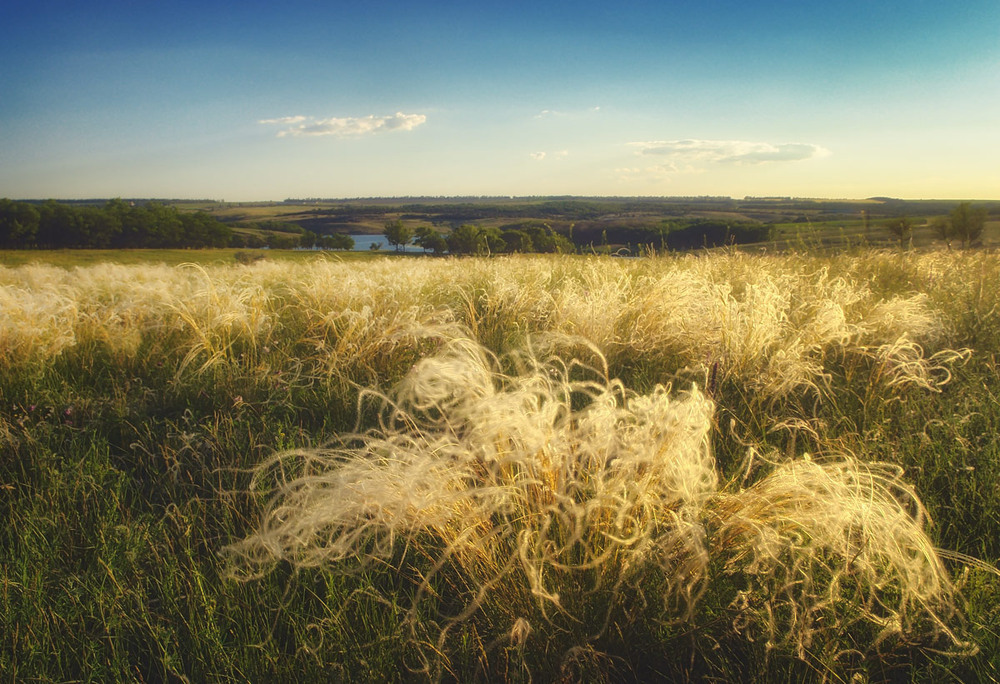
x: 693, y: 152
x: 540, y: 156
x: 345, y: 127
x: 283, y: 120
x: 558, y: 113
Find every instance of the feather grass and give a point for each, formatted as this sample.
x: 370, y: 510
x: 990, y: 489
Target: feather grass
x: 558, y: 489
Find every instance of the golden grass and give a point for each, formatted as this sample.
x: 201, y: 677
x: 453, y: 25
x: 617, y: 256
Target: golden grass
x: 557, y: 496
x: 767, y: 323
x: 541, y: 467
x: 513, y: 470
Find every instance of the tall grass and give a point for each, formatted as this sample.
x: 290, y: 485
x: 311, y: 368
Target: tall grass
x: 550, y: 499
x: 722, y: 465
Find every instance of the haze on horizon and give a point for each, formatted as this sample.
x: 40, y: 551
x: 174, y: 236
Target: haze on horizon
x: 262, y: 101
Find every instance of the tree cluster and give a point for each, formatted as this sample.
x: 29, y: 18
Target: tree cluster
x: 965, y: 224
x: 700, y: 234
x: 669, y: 235
x: 121, y: 225
x: 118, y: 224
x: 469, y: 239
x: 900, y: 228
x: 538, y: 237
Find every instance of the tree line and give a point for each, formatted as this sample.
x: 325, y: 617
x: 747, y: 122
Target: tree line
x: 116, y: 224
x: 541, y: 238
x: 123, y: 225
x: 965, y: 223
x: 469, y: 239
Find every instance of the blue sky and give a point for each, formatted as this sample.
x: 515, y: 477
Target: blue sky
x: 258, y: 101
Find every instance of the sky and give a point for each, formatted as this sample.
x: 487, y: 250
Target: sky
x: 256, y: 101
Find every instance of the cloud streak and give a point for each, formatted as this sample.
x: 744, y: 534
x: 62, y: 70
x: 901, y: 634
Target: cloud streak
x: 694, y: 152
x: 345, y: 127
x: 541, y: 156
x: 283, y: 120
x: 556, y: 113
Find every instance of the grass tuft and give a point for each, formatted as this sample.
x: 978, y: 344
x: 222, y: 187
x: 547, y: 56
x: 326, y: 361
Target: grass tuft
x: 555, y: 495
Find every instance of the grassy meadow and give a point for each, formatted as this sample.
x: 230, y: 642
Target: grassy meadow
x: 72, y: 258
x: 714, y: 467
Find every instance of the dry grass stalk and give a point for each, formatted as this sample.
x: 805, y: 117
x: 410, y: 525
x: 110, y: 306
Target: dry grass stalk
x: 557, y: 492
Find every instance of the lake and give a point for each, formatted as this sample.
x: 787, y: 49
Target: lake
x: 362, y: 243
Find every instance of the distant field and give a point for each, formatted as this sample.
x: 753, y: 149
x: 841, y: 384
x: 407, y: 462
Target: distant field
x: 846, y: 234
x: 308, y: 216
x: 799, y: 224
x: 83, y: 257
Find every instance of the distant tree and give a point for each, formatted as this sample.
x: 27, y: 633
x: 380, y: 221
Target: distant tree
x: 430, y: 240
x: 124, y: 215
x: 436, y: 243
x: 941, y: 227
x: 156, y: 225
x: 900, y: 228
x: 967, y: 223
x: 202, y: 230
x: 118, y: 207
x: 421, y: 235
x: 476, y: 240
x: 336, y: 241
x: 253, y: 241
x: 97, y: 227
x: 466, y: 239
x: 398, y: 234
x: 281, y: 241
x: 57, y: 226
x: 308, y: 239
x: 699, y: 235
x: 492, y: 239
x: 547, y: 241
x: 517, y: 241
x: 18, y: 224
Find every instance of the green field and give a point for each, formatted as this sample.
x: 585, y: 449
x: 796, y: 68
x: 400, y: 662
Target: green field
x: 70, y: 258
x: 713, y: 467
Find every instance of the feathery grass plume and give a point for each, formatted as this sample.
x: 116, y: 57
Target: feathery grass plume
x: 831, y: 544
x: 546, y: 494
x: 555, y: 498
x: 752, y: 324
x: 890, y: 319
x: 902, y: 363
x: 507, y: 299
x: 351, y: 322
x: 36, y: 323
x: 225, y: 317
x: 596, y: 303
x: 765, y: 323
